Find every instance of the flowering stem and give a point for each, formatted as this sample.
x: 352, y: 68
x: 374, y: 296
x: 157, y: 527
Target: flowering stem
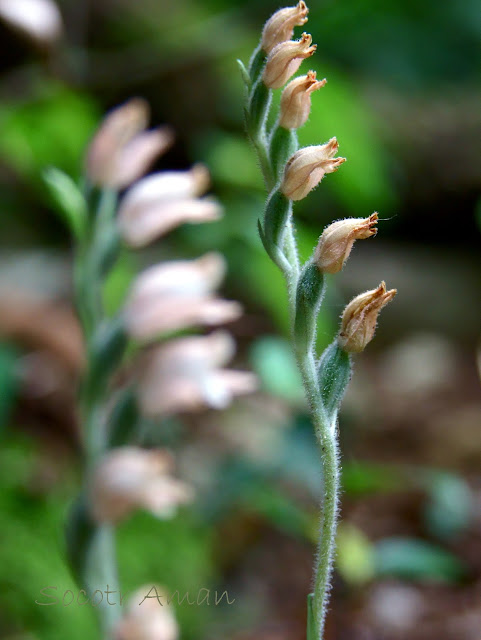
x: 94, y: 260
x: 305, y: 291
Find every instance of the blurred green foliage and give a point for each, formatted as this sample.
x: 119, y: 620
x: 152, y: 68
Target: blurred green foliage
x: 181, y: 56
x: 50, y: 127
x: 175, y: 553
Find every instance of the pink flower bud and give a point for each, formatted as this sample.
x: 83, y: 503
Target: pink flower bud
x: 129, y: 478
x: 296, y: 100
x: 336, y: 242
x: 280, y: 26
x: 359, y: 319
x: 121, y: 150
x: 142, y: 225
x: 176, y: 295
x: 163, y: 201
x: 306, y: 168
x: 187, y: 375
x: 285, y: 59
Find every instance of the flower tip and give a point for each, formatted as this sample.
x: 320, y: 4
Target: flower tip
x: 201, y: 178
x: 336, y: 163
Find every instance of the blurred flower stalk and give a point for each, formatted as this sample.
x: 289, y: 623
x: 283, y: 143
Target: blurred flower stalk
x: 290, y: 174
x: 139, y: 362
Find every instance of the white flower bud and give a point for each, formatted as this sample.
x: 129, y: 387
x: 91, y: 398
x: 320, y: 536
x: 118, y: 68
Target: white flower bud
x: 163, y: 201
x: 285, y: 59
x: 143, y: 224
x: 359, y: 319
x: 296, y: 100
x: 280, y: 26
x: 306, y: 168
x: 129, y: 478
x: 38, y: 19
x: 336, y: 242
x: 121, y: 150
x: 187, y: 375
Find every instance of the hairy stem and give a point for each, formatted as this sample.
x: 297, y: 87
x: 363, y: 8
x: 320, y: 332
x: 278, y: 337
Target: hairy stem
x: 324, y: 426
x: 326, y: 438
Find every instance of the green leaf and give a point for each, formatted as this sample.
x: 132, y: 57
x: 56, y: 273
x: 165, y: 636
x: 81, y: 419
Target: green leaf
x: 244, y: 73
x: 278, y: 210
x: 256, y: 64
x: 258, y: 108
x: 69, y: 200
x: 124, y: 419
x: 282, y: 146
x: 310, y: 291
x: 106, y: 351
x: 334, y: 374
x: 414, y: 559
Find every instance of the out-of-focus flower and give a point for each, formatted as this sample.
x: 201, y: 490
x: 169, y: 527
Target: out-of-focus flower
x: 336, y: 242
x: 187, y: 375
x: 38, y: 19
x: 306, y: 168
x: 122, y: 150
x: 285, y: 59
x: 164, y: 201
x: 129, y: 478
x: 280, y: 26
x: 296, y: 100
x: 147, y: 618
x: 176, y: 295
x: 359, y: 319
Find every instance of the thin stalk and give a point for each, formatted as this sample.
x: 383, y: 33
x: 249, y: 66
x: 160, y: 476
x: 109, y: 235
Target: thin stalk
x: 326, y: 438
x: 327, y: 540
x: 101, y: 563
x: 324, y: 429
x: 103, y: 575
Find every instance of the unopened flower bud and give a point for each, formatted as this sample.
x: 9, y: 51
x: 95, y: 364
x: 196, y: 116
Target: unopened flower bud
x: 285, y: 59
x: 359, y: 319
x: 336, y: 242
x: 280, y: 26
x: 306, y: 168
x: 296, y: 100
